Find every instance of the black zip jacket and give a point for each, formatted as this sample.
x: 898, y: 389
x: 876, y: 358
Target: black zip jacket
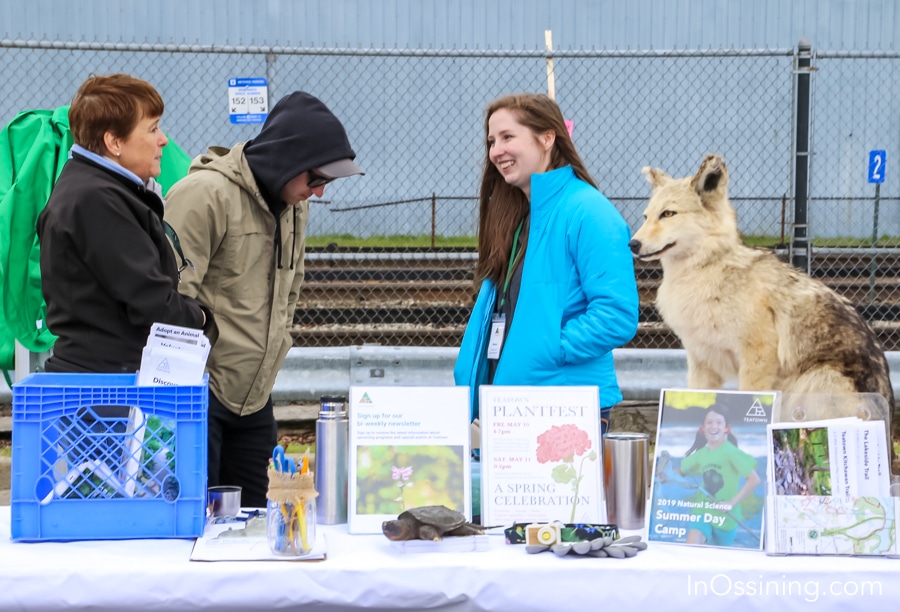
x: 108, y: 270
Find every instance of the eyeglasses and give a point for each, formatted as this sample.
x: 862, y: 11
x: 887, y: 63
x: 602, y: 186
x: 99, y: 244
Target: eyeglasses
x: 317, y: 180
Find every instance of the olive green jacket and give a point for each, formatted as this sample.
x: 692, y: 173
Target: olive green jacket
x: 228, y: 231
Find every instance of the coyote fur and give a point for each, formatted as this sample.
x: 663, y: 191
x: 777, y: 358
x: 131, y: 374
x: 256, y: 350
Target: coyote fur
x: 739, y: 311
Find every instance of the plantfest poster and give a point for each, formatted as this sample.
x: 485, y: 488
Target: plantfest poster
x: 409, y: 447
x: 540, y: 455
x: 709, y: 475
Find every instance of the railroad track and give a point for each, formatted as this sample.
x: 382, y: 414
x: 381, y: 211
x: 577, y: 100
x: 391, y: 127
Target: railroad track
x: 424, y: 297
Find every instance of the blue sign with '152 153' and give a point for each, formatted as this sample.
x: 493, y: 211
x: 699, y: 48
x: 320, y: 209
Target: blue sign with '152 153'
x: 248, y: 100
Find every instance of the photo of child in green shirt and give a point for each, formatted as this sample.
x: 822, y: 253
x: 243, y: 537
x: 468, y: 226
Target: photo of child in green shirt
x: 715, y: 455
x: 709, y: 468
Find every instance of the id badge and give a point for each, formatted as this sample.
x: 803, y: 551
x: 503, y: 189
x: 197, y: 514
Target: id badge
x: 498, y: 326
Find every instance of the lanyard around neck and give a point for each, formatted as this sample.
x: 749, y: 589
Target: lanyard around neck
x: 185, y: 262
x: 513, y: 254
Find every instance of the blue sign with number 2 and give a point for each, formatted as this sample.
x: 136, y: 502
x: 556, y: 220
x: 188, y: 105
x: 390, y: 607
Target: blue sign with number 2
x: 876, y: 166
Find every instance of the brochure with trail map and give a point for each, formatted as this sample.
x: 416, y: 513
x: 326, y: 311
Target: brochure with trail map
x: 830, y: 489
x: 409, y: 447
x: 540, y: 455
x: 709, y: 468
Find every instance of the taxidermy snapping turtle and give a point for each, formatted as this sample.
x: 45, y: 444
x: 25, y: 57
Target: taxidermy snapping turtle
x: 429, y: 523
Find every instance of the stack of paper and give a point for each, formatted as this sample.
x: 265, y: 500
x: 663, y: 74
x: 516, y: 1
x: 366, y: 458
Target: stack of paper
x: 173, y: 356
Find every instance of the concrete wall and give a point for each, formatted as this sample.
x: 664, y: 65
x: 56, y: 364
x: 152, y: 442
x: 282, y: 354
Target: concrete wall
x: 497, y: 24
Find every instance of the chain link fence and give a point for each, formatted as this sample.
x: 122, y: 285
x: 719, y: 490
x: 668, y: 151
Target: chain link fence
x: 855, y: 224
x: 391, y: 254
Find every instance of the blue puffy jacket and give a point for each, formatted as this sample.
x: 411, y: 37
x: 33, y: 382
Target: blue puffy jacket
x: 578, y: 298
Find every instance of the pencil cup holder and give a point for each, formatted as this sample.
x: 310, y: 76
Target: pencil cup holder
x: 291, y: 527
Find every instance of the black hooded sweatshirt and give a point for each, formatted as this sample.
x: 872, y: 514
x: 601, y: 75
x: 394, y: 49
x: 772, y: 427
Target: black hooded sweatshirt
x: 300, y: 134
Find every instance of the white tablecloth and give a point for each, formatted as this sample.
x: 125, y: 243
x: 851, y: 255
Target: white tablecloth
x: 366, y: 572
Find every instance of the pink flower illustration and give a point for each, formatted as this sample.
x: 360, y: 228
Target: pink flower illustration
x: 562, y: 443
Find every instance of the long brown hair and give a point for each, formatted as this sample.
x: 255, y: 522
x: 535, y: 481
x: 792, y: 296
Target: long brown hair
x: 503, y: 206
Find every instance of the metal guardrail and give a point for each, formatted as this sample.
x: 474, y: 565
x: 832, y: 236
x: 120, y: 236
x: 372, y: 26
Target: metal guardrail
x: 309, y: 373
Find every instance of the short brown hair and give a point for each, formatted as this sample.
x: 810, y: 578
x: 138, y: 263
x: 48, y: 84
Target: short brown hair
x: 111, y: 103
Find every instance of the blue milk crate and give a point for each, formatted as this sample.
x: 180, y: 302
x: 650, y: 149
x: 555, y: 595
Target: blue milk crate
x: 96, y: 457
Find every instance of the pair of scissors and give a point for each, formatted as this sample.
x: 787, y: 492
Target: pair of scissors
x: 282, y: 463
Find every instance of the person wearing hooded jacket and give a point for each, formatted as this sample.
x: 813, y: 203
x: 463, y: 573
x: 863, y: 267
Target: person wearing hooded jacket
x: 241, y: 214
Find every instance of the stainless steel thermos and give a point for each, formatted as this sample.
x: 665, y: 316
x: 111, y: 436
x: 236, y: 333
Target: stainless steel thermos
x: 332, y: 448
x: 626, y: 463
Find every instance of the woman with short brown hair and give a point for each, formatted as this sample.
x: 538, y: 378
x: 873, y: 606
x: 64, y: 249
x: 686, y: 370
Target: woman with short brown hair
x: 108, y: 270
x: 113, y: 103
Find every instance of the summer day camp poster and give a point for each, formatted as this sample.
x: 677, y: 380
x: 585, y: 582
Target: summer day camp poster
x: 709, y: 469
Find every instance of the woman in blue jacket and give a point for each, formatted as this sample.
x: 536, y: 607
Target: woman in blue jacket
x: 558, y: 291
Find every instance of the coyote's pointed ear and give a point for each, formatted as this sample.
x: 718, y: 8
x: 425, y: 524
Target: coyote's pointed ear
x: 656, y: 177
x: 711, y: 179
